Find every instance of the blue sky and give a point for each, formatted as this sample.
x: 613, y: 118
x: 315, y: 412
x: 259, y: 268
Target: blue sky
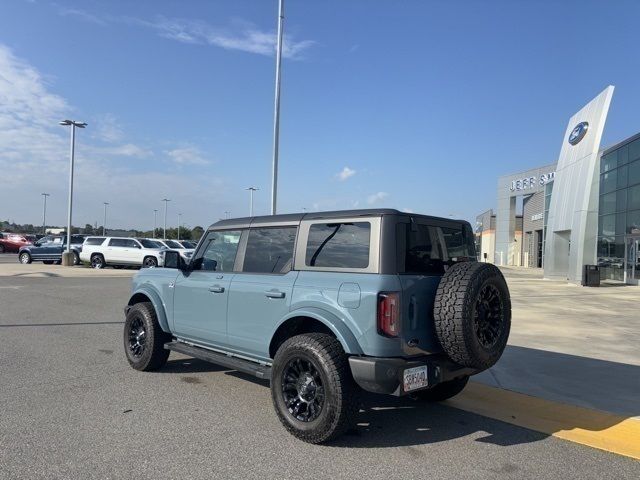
x: 417, y: 105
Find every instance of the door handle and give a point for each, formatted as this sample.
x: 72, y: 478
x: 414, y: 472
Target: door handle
x: 216, y: 289
x: 274, y: 294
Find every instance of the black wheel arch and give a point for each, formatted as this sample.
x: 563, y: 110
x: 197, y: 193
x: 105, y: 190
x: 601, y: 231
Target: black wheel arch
x: 296, y: 326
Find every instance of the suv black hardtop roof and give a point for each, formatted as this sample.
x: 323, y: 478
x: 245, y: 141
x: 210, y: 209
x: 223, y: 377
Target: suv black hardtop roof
x: 245, y: 222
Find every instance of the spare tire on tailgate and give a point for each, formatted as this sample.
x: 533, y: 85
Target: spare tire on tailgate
x: 472, y: 313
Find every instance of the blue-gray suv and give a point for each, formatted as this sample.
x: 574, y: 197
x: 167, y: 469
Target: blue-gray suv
x: 325, y: 305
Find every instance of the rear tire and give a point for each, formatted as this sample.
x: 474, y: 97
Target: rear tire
x: 76, y: 258
x: 472, y: 314
x: 149, y: 262
x: 48, y: 262
x: 312, y: 389
x: 144, y: 339
x: 97, y: 261
x: 1, y: 248
x: 24, y: 258
x: 442, y: 391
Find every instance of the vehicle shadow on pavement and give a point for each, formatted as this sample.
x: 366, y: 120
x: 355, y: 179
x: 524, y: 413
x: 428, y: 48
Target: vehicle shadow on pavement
x: 190, y: 365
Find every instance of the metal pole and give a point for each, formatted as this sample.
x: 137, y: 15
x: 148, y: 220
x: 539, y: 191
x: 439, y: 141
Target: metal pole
x: 104, y: 224
x: 44, y: 214
x: 251, y: 190
x: 179, y: 215
x: 155, y: 221
x: 73, y: 139
x: 276, y: 113
x: 166, y: 202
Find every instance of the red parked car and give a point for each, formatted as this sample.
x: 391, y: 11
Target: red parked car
x: 11, y: 242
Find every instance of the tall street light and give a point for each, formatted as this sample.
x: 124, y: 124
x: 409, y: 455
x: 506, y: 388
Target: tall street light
x: 251, y: 190
x: 276, y: 112
x: 155, y: 221
x: 104, y: 224
x: 44, y: 213
x: 227, y: 214
x: 73, y: 124
x: 166, y: 201
x: 179, y: 220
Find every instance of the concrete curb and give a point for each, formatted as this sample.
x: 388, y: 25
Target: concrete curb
x: 601, y: 430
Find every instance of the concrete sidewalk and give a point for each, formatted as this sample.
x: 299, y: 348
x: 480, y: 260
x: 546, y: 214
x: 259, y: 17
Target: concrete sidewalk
x: 9, y: 267
x: 570, y: 344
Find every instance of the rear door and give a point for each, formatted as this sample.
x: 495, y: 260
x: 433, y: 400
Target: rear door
x: 115, y: 251
x: 261, y: 292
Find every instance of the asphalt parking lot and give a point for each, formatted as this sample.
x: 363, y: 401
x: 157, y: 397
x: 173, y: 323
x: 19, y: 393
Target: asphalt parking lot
x: 73, y: 408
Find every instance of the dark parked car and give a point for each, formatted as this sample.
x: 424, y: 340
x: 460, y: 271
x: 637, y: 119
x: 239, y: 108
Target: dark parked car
x: 11, y: 242
x: 49, y: 249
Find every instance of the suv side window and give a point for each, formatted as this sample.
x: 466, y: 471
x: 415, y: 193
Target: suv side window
x: 117, y: 242
x: 422, y: 254
x: 94, y: 241
x: 342, y: 245
x: 219, y: 251
x: 269, y: 250
x: 459, y: 243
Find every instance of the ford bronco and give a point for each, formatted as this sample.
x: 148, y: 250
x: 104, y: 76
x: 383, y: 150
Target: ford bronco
x: 325, y: 305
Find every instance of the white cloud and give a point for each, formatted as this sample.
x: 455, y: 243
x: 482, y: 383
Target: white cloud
x: 376, y: 197
x: 187, y: 156
x: 242, y: 36
x: 345, y: 174
x: 108, y: 129
x: 86, y: 16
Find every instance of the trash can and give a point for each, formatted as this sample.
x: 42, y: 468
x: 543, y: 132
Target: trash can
x: 591, y: 276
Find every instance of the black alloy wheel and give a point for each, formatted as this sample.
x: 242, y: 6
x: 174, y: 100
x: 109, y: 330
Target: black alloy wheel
x: 97, y: 261
x: 302, y: 389
x: 488, y: 316
x: 137, y: 337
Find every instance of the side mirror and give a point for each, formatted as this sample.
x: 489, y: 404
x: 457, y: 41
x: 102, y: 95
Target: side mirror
x: 173, y: 259
x: 196, y: 264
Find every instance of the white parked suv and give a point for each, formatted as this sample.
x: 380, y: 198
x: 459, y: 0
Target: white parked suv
x: 121, y: 251
x: 185, y: 252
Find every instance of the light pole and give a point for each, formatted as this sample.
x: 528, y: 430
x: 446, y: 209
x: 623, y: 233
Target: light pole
x: 227, y: 214
x: 179, y: 220
x: 155, y: 221
x: 44, y: 213
x: 73, y: 124
x: 166, y: 201
x: 104, y: 224
x: 251, y: 190
x: 276, y: 112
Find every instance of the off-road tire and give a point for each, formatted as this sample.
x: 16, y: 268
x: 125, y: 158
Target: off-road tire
x: 442, y: 391
x: 153, y: 355
x: 97, y: 261
x: 24, y: 258
x: 341, y: 399
x: 459, y: 309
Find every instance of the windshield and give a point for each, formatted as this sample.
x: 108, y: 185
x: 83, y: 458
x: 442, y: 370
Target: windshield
x: 146, y: 243
x: 188, y: 244
x: 172, y: 244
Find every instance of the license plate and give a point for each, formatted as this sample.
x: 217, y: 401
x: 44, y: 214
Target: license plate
x: 414, y: 378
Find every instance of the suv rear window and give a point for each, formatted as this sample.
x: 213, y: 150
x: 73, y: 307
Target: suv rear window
x: 269, y: 250
x: 338, y: 245
x: 460, y: 244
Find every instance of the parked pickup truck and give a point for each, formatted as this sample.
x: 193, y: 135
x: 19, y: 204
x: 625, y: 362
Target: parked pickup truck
x: 121, y: 252
x: 49, y: 249
x: 326, y: 305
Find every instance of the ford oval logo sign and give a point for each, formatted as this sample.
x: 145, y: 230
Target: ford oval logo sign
x: 578, y: 133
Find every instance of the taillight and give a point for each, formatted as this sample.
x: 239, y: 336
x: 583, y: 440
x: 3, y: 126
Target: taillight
x: 389, y: 314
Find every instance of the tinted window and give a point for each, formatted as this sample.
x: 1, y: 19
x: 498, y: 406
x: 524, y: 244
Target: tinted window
x: 76, y: 240
x: 422, y: 254
x: 219, y: 251
x: 94, y: 241
x: 460, y: 246
x: 186, y: 244
x: 146, y: 243
x: 269, y: 250
x: 172, y: 244
x: 341, y: 245
x: 118, y: 242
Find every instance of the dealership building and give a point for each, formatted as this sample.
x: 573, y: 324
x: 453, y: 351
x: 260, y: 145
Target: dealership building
x: 582, y: 210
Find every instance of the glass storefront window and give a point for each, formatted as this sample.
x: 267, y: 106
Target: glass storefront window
x: 608, y: 203
x: 623, y: 155
x: 634, y: 172
x: 609, y: 162
x: 633, y: 221
x: 621, y: 200
x: 607, y: 225
x: 634, y: 150
x: 634, y: 197
x: 608, y: 181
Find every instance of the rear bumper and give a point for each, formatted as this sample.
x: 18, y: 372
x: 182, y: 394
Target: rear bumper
x: 385, y: 375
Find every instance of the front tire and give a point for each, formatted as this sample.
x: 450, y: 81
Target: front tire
x: 76, y: 258
x: 442, y: 391
x: 144, y: 339
x: 24, y: 258
x: 312, y: 389
x: 97, y: 261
